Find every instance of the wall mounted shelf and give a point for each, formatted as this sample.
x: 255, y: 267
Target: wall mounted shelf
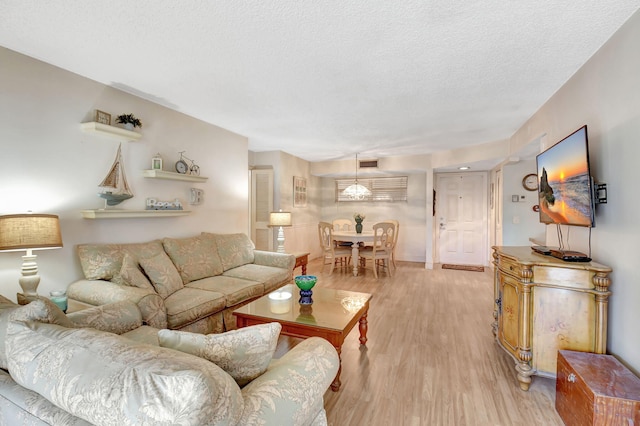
x: 110, y: 131
x: 131, y: 214
x: 162, y: 174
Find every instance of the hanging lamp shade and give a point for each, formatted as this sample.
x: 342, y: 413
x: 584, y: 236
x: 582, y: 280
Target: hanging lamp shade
x: 357, y: 191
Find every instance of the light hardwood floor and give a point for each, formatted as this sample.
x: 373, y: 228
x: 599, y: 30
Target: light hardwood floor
x: 431, y: 358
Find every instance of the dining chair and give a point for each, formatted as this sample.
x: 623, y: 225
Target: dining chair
x: 343, y: 225
x: 330, y: 252
x: 380, y: 252
x: 395, y: 240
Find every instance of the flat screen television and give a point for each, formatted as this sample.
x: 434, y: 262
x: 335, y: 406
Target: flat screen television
x: 565, y: 187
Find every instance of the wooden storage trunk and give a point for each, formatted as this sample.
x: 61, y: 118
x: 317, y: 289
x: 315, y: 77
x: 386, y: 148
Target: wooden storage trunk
x: 593, y: 389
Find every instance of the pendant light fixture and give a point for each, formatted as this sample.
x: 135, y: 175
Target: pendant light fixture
x: 357, y: 191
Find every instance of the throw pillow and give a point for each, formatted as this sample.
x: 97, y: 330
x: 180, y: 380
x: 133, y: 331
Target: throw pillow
x: 42, y: 310
x: 131, y: 274
x: 244, y: 353
x: 163, y: 274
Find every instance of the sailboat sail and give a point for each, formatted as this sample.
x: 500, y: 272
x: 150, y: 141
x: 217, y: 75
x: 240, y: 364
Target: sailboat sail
x: 116, y: 182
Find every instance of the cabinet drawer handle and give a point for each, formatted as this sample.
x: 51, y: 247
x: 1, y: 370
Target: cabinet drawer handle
x: 571, y: 378
x: 511, y: 267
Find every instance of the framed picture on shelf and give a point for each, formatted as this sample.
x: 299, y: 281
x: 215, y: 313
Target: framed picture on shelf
x: 103, y: 117
x: 299, y: 192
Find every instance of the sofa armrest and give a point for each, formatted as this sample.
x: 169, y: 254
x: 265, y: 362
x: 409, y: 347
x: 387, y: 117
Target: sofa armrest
x: 278, y: 260
x: 293, y: 386
x: 117, y: 317
x: 100, y: 292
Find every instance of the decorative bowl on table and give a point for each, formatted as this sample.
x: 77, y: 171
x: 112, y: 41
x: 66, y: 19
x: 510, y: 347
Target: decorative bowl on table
x: 305, y: 283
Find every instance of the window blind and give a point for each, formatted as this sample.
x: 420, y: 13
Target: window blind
x: 390, y: 189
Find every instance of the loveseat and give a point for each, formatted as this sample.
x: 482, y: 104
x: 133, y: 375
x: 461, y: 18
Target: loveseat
x: 76, y: 370
x: 191, y: 284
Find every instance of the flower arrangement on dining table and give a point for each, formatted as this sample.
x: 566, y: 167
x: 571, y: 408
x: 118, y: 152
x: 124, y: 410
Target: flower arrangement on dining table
x: 359, y: 217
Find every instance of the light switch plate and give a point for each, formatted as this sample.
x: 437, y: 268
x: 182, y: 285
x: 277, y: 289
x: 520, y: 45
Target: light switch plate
x: 197, y: 196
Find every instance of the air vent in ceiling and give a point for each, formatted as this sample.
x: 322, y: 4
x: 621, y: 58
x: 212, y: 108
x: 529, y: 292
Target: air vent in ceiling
x: 369, y: 164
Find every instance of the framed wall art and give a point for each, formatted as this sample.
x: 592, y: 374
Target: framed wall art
x: 103, y: 117
x: 299, y: 192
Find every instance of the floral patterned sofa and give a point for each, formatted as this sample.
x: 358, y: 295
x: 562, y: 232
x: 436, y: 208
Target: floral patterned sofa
x: 190, y: 284
x: 102, y: 366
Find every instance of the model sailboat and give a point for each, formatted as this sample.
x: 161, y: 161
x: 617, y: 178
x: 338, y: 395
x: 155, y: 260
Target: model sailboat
x: 116, y: 187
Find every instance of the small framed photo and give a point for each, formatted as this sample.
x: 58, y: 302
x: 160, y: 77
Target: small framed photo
x: 156, y: 162
x: 103, y: 117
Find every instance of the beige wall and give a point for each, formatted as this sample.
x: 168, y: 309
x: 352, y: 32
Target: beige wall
x: 51, y: 166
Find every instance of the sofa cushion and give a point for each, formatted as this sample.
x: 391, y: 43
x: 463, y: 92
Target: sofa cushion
x: 191, y: 304
x: 6, y: 307
x: 234, y: 249
x: 236, y: 290
x: 131, y: 274
x: 270, y: 276
x: 104, y: 261
x: 245, y: 353
x: 42, y: 310
x: 194, y: 257
x: 144, y: 334
x: 107, y: 379
x: 163, y: 274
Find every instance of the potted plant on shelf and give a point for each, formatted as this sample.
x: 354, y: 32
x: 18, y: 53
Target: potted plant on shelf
x: 129, y: 120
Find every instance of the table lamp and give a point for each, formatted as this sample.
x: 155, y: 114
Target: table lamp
x: 280, y: 219
x: 29, y: 232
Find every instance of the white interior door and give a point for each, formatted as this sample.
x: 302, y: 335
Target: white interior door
x: 261, y: 206
x: 461, y: 212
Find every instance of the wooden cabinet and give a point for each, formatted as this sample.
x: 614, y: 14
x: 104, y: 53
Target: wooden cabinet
x: 544, y: 304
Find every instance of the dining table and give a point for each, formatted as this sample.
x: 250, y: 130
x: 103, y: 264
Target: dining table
x: 355, y: 239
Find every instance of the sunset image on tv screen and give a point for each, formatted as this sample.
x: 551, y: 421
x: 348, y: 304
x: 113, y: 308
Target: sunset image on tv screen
x: 565, y: 187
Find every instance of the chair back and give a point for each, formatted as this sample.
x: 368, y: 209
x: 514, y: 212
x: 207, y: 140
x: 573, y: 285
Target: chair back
x: 342, y: 225
x: 395, y: 235
x: 383, y: 236
x: 325, y: 234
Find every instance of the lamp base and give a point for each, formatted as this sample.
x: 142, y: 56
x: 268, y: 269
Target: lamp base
x: 280, y: 240
x: 30, y: 279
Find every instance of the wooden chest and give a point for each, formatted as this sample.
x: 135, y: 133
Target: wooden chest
x: 593, y: 389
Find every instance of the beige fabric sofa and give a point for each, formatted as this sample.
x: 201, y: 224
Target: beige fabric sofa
x: 76, y: 370
x: 190, y: 284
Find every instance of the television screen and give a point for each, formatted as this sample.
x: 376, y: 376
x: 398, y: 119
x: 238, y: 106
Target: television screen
x: 565, y: 188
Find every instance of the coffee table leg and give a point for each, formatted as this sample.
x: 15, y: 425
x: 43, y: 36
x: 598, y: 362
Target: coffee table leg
x: 363, y: 326
x: 335, y: 386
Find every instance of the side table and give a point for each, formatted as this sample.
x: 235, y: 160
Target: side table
x: 301, y: 260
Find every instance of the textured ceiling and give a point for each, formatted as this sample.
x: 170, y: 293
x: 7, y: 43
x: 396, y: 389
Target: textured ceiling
x: 322, y: 79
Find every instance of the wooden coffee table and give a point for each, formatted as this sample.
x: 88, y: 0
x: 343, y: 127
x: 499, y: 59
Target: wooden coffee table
x: 332, y: 315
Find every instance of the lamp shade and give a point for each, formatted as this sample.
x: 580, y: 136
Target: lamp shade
x: 29, y: 232
x: 280, y: 219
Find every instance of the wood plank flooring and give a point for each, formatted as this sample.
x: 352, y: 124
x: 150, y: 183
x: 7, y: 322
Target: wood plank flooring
x: 431, y: 358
